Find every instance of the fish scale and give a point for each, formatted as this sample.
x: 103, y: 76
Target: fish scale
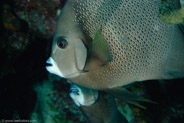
x: 142, y: 56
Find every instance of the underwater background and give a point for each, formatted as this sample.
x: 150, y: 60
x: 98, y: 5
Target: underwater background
x: 29, y: 92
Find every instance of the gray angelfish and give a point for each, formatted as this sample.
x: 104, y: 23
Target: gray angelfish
x: 97, y: 106
x: 103, y: 44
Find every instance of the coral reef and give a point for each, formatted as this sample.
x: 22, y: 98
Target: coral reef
x: 15, y: 35
x: 41, y: 15
x: 54, y: 104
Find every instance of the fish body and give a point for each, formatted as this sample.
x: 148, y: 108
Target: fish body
x: 138, y: 45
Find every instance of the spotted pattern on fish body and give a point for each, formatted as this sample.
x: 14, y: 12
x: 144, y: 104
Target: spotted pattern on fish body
x: 139, y: 41
x: 114, y: 43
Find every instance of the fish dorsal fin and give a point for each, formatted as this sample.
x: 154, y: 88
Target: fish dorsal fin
x: 100, y: 49
x: 128, y: 96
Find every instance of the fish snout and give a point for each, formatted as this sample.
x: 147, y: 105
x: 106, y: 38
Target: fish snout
x: 53, y: 68
x: 83, y: 96
x: 75, y: 94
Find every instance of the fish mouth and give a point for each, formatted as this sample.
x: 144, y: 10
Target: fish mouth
x: 53, y: 68
x: 74, y: 90
x: 48, y: 64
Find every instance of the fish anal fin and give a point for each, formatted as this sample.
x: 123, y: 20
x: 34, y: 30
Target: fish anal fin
x: 128, y: 96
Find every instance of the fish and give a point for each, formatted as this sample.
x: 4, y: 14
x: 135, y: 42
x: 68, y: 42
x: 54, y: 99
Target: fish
x: 105, y: 44
x: 97, y: 106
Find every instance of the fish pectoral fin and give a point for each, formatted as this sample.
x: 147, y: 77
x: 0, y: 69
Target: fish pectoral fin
x: 128, y: 96
x: 100, y: 49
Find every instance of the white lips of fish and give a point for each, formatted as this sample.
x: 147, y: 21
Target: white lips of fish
x: 54, y: 68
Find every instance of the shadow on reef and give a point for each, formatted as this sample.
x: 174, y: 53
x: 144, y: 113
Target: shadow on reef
x: 20, y: 68
x: 169, y: 96
x: 16, y: 90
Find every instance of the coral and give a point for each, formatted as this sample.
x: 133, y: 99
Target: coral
x: 125, y: 110
x: 54, y: 104
x: 15, y: 28
x: 41, y: 15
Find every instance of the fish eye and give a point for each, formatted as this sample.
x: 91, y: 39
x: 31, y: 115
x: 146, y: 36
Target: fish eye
x: 62, y: 42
